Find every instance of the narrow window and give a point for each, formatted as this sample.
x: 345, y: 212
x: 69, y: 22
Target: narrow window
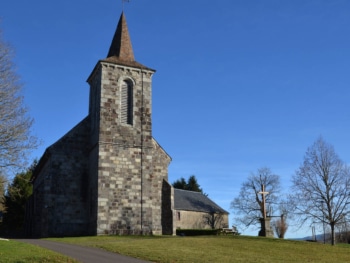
x: 126, y: 106
x: 178, y: 216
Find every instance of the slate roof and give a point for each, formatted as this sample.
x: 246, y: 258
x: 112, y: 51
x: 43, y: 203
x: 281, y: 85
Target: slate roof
x: 195, y: 201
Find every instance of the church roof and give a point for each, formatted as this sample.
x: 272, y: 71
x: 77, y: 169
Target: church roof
x: 195, y: 201
x: 121, y: 51
x: 121, y: 44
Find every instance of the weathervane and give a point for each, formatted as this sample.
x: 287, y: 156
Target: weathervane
x: 123, y: 1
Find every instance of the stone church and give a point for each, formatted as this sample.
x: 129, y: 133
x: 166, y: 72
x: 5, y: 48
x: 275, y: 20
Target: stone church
x: 107, y: 173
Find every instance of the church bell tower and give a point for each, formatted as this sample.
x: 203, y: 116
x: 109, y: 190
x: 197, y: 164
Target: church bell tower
x: 127, y: 166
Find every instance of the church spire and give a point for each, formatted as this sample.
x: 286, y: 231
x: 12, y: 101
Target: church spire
x: 121, y: 44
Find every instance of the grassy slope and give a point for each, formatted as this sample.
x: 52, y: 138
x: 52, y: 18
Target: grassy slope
x: 17, y: 252
x: 217, y: 249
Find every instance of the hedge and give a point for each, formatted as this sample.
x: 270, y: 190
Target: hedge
x: 196, y: 232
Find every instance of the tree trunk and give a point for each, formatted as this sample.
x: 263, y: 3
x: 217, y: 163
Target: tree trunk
x: 332, y: 234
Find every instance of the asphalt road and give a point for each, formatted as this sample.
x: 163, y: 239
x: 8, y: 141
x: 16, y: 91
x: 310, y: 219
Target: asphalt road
x: 82, y: 254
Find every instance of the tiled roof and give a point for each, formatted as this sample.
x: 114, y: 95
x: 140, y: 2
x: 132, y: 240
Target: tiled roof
x: 121, y: 43
x: 121, y: 51
x: 195, y: 201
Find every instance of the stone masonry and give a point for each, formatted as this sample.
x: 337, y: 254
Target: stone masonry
x: 106, y: 175
x: 131, y: 164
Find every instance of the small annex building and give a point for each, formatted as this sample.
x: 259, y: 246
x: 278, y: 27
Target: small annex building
x: 108, y: 173
x: 194, y: 210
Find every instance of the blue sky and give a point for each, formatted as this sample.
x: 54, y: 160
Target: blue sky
x: 239, y: 84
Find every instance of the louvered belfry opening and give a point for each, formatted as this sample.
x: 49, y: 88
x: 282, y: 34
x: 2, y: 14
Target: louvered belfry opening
x: 126, y: 106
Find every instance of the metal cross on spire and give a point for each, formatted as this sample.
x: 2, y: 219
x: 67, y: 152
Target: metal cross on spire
x: 263, y: 193
x: 123, y: 1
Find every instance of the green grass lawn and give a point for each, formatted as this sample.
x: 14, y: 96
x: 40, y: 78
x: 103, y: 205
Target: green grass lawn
x: 18, y: 252
x: 216, y: 249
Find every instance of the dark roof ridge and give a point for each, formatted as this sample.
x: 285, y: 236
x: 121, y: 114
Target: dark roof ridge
x: 188, y: 190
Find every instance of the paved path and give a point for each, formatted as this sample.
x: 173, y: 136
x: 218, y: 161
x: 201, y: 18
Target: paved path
x: 82, y: 254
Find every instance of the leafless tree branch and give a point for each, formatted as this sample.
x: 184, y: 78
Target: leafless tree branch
x: 321, y: 187
x: 16, y: 140
x: 248, y: 205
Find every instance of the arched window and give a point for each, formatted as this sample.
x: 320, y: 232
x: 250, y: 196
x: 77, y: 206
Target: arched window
x: 126, y: 104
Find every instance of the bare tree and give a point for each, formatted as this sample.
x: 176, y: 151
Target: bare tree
x: 321, y: 187
x: 214, y: 220
x: 248, y: 205
x: 15, y: 124
x: 280, y: 226
x: 343, y: 232
x: 2, y: 193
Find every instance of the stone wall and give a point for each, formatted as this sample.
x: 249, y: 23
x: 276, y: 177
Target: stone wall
x: 196, y: 220
x: 131, y: 165
x: 168, y: 218
x: 104, y: 175
x: 59, y: 198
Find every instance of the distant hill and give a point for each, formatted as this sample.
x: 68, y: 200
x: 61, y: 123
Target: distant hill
x: 321, y: 238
